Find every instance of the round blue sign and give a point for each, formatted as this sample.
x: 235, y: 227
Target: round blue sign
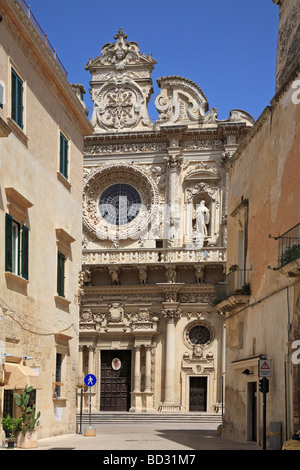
x: 90, y: 380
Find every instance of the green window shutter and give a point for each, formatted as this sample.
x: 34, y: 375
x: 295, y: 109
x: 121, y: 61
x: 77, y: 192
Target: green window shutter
x: 25, y: 251
x: 61, y: 274
x: 20, y: 103
x: 16, y: 99
x: 13, y: 96
x: 66, y: 151
x: 63, y: 156
x: 8, y: 242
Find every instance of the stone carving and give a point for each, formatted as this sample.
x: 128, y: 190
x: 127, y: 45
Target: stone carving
x: 125, y: 148
x: 86, y: 316
x: 204, y: 144
x: 143, y: 276
x: 120, y: 105
x: 172, y: 314
x: 235, y: 115
x: 114, y: 273
x: 181, y: 101
x: 202, y: 219
x: 199, y: 274
x: 171, y: 275
x: 98, y: 180
x: 144, y: 314
x: 122, y: 53
x: 115, y: 312
x: 121, y: 86
x: 202, y: 187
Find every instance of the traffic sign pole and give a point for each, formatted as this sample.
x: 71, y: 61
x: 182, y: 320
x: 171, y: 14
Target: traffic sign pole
x: 90, y: 380
x: 264, y: 371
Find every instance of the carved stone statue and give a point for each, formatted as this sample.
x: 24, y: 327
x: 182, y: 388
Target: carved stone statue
x: 114, y: 273
x: 143, y: 276
x: 202, y: 219
x: 171, y: 275
x: 199, y: 274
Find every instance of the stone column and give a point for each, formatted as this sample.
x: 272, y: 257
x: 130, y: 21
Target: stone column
x: 136, y: 394
x: 148, y: 392
x: 91, y: 360
x: 80, y: 363
x: 137, y: 369
x: 174, y: 162
x: 148, y: 369
x: 171, y: 313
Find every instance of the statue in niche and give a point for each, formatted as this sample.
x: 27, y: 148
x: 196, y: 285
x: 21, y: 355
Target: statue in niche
x: 202, y: 219
x: 171, y: 275
x: 199, y: 274
x: 143, y: 276
x: 114, y: 273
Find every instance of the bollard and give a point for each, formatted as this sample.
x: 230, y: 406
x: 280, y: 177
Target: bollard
x: 90, y: 431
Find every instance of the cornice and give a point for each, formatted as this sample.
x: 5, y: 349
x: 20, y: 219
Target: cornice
x: 37, y: 51
x: 162, y: 134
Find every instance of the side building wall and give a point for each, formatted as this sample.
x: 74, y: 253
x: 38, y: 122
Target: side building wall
x: 39, y: 325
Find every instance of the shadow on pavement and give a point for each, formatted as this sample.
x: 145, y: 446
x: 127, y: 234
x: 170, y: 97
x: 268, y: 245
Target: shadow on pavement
x: 203, y: 440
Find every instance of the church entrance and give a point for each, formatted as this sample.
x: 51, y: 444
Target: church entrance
x: 115, y: 380
x: 198, y: 393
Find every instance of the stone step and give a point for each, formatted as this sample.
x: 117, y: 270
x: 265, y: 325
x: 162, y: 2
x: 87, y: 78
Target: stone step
x: 115, y: 417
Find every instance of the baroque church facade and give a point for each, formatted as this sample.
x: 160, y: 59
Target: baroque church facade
x: 154, y: 238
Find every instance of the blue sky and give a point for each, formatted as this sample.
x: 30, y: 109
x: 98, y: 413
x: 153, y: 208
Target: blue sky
x: 227, y: 47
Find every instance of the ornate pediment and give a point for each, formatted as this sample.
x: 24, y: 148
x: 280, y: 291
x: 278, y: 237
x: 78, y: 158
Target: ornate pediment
x: 120, y: 54
x: 121, y: 87
x: 181, y: 101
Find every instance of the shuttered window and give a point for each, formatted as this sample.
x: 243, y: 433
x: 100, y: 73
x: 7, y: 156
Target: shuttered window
x: 61, y: 259
x: 58, y: 373
x: 63, y: 156
x: 16, y: 99
x: 16, y: 247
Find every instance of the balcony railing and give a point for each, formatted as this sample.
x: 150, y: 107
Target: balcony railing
x: 289, y: 246
x: 236, y: 282
x: 154, y: 256
x: 35, y: 23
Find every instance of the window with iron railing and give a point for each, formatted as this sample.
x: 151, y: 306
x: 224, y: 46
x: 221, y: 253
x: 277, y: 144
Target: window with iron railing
x: 237, y: 282
x: 288, y: 246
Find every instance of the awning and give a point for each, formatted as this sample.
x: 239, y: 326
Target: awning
x: 19, y: 376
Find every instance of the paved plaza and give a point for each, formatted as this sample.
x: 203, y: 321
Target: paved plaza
x: 136, y: 437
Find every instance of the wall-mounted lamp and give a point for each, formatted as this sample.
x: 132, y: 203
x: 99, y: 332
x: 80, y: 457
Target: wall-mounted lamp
x: 247, y: 372
x: 27, y: 358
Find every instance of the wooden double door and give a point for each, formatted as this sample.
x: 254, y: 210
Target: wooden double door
x: 198, y: 393
x: 115, y: 380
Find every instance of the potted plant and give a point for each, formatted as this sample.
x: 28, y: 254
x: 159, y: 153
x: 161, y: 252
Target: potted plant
x: 233, y: 267
x: 57, y: 384
x: 27, y: 437
x: 11, y: 426
x: 3, y: 382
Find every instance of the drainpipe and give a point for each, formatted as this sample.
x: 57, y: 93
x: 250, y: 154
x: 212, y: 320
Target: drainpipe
x: 287, y: 366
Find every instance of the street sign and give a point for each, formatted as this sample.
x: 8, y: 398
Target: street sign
x: 264, y: 368
x: 90, y: 380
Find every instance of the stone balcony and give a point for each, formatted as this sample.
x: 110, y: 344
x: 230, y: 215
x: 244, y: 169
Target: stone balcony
x: 154, y: 256
x: 234, y: 291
